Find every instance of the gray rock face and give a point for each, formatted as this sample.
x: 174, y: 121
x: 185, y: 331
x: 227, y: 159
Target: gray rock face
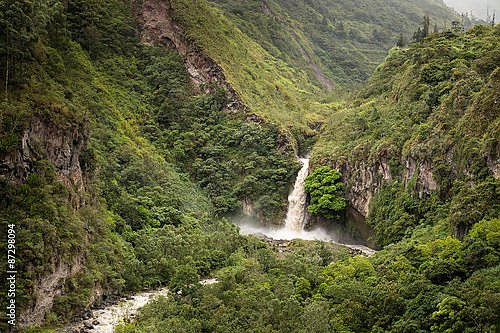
x: 494, y: 164
x: 45, y: 289
x: 42, y: 140
x: 363, y: 179
x: 421, y: 172
x: 159, y: 28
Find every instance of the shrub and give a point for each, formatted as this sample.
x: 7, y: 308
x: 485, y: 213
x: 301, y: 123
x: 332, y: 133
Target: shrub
x: 326, y: 191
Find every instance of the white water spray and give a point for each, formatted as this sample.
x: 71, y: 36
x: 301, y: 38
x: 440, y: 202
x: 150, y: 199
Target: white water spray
x: 296, y: 215
x: 295, y: 221
x: 296, y: 218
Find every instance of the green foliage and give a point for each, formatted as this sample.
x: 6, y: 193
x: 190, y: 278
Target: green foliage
x: 326, y: 191
x: 273, y: 89
x: 159, y: 163
x: 346, y: 40
x: 231, y: 159
x: 249, y: 296
x: 102, y: 27
x: 430, y: 104
x: 406, y: 288
x: 139, y: 221
x: 398, y: 109
x: 24, y: 26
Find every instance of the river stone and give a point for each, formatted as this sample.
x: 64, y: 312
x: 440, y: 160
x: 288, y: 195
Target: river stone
x: 88, y: 325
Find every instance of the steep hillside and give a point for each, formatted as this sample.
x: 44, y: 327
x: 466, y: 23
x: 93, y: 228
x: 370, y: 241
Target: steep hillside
x: 270, y: 87
x: 420, y: 141
x: 279, y: 57
x: 130, y: 131
x: 107, y: 150
x: 338, y: 42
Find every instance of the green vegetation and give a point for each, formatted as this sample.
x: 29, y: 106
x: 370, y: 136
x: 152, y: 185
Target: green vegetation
x: 273, y: 89
x: 430, y: 283
x: 159, y: 164
x: 413, y: 96
x: 434, y: 103
x: 113, y: 165
x: 272, y: 51
x: 326, y: 192
x: 347, y: 39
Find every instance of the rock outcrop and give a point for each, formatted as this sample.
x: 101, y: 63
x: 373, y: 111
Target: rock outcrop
x: 364, y: 179
x: 159, y: 27
x: 46, y: 288
x: 421, y: 172
x: 62, y: 148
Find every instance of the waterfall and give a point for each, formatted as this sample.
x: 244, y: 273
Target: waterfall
x: 296, y: 215
x: 296, y: 219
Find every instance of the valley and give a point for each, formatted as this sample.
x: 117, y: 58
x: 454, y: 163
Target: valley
x: 333, y: 166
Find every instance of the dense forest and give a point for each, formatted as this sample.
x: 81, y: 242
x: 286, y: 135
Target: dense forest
x: 338, y: 43
x: 135, y: 134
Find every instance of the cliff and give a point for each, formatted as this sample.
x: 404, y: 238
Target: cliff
x: 423, y: 129
x: 120, y: 129
x: 60, y: 147
x: 364, y: 179
x: 159, y: 27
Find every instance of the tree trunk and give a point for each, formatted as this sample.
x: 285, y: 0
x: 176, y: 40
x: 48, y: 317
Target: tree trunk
x: 7, y: 79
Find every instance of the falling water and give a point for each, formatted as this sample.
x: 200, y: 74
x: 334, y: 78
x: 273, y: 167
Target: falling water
x: 296, y: 219
x: 296, y: 214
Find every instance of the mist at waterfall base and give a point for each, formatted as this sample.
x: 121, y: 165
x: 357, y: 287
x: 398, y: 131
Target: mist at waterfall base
x: 249, y: 228
x: 296, y: 218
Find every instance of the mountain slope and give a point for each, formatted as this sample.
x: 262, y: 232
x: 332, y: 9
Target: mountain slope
x: 114, y: 168
x: 128, y: 131
x: 340, y: 42
x: 278, y: 56
x: 423, y: 131
x: 422, y: 138
x: 272, y: 89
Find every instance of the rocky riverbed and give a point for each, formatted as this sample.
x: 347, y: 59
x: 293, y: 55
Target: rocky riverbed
x: 104, y: 318
x: 282, y: 245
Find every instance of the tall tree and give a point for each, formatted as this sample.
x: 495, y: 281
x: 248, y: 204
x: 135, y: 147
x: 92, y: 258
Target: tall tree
x: 401, y: 41
x: 22, y: 24
x: 418, y: 35
x: 426, y: 26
